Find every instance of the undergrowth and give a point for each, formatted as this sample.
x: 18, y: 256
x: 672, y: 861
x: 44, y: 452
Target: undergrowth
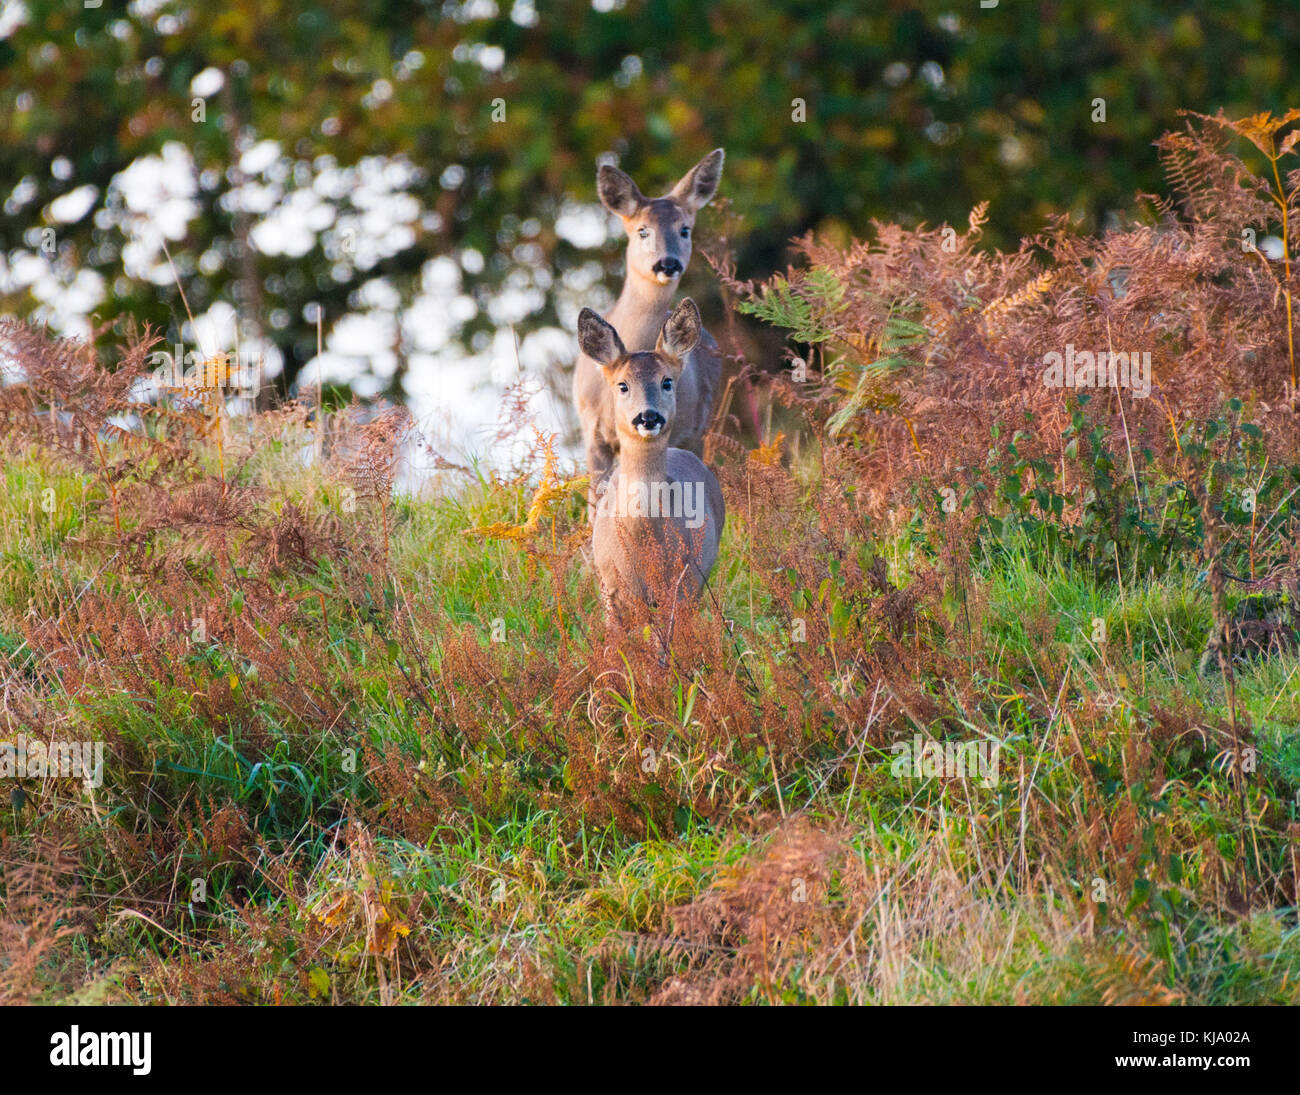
x: 371, y: 746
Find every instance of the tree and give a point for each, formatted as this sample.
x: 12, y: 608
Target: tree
x: 832, y: 114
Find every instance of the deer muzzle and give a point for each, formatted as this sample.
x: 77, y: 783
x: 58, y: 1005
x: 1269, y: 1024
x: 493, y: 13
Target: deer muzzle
x: 649, y: 423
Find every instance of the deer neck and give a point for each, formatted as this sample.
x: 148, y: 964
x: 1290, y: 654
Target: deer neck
x: 638, y: 315
x: 640, y: 463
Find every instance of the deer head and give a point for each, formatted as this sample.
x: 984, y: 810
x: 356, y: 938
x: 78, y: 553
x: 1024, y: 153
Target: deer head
x: 659, y: 229
x: 644, y: 384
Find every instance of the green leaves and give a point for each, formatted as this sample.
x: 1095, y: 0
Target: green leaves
x: 807, y: 307
x: 870, y: 380
x: 815, y: 307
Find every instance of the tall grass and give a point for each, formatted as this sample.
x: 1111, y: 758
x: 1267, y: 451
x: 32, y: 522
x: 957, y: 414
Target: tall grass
x: 371, y: 747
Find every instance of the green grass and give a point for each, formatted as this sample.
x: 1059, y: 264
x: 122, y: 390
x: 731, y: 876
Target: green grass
x: 942, y: 891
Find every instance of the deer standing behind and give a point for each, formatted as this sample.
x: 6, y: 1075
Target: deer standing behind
x: 659, y: 521
x: 658, y: 249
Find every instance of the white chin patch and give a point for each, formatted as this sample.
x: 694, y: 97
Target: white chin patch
x: 649, y: 432
x: 664, y: 279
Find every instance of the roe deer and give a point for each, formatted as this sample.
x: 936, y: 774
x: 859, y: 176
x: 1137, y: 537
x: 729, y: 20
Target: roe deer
x: 658, y: 523
x: 658, y: 249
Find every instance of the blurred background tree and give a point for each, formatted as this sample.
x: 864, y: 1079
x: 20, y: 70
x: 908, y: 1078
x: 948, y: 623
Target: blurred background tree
x: 329, y: 151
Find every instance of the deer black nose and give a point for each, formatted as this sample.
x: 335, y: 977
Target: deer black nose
x: 671, y: 267
x: 649, y: 419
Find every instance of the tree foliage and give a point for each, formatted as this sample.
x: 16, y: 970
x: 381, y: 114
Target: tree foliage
x: 832, y: 114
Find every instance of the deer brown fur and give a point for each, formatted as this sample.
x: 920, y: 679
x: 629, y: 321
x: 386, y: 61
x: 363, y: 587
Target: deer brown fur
x: 658, y: 524
x: 659, y: 247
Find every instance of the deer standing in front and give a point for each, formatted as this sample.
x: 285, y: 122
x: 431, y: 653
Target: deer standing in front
x: 659, y: 521
x: 658, y: 249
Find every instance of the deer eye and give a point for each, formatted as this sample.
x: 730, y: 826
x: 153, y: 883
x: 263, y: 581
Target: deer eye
x: 686, y: 233
x: 668, y: 383
x: 622, y: 387
x: 644, y: 233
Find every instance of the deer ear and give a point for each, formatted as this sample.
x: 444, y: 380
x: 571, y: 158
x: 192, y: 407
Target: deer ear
x: 618, y: 193
x: 598, y: 340
x: 700, y: 183
x: 681, y: 333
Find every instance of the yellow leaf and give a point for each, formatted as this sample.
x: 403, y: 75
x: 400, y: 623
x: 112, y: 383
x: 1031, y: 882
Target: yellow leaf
x: 549, y: 490
x: 769, y: 455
